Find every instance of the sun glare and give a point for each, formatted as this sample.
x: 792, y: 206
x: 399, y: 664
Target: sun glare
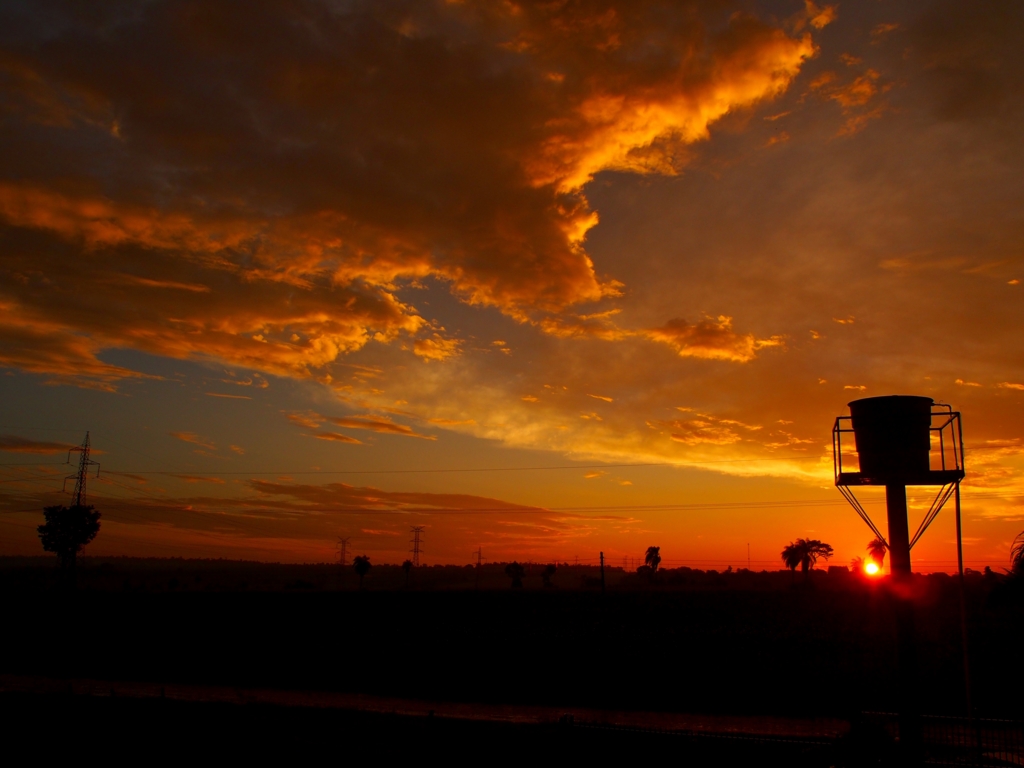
x: 871, y: 569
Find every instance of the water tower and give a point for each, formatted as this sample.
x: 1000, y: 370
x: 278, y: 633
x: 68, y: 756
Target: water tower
x: 899, y: 441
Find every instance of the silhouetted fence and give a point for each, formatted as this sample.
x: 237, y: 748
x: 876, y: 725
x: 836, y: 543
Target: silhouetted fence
x: 962, y: 742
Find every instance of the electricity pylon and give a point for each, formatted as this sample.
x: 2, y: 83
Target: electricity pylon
x: 416, y: 531
x: 343, y: 550
x: 84, y: 462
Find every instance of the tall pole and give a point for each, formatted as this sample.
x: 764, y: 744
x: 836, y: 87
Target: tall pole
x: 906, y: 650
x: 602, y: 573
x: 479, y: 560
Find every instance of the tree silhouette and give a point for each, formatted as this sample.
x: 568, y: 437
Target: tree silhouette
x: 805, y: 553
x: 362, y: 567
x: 857, y: 565
x: 653, y: 558
x: 1017, y: 555
x: 794, y: 554
x: 876, y: 551
x: 818, y: 549
x: 407, y: 567
x: 515, y: 572
x: 546, y: 575
x: 65, y: 532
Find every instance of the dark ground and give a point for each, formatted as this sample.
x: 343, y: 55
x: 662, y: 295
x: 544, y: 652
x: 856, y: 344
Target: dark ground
x: 156, y: 731
x: 740, y: 643
x: 690, y: 642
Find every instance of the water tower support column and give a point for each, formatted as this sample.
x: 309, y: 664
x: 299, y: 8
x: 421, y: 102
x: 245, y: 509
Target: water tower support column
x: 899, y: 530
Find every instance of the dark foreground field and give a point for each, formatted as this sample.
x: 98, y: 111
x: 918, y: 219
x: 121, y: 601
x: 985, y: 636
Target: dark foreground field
x: 763, y: 644
x: 711, y: 669
x: 161, y: 730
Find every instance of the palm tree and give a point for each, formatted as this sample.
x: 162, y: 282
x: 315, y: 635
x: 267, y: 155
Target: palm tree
x: 805, y: 553
x: 515, y: 572
x: 362, y: 567
x: 407, y: 567
x: 653, y: 558
x: 877, y: 550
x: 1017, y: 555
x: 857, y: 565
x: 795, y: 554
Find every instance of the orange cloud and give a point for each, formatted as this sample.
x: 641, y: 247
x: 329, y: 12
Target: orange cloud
x: 819, y: 17
x: 15, y: 444
x: 337, y: 437
x: 284, y: 261
x: 308, y: 419
x: 854, y: 96
x: 599, y: 326
x: 705, y: 428
x: 377, y: 424
x: 192, y: 437
x: 612, y: 124
x: 342, y: 496
x: 711, y: 338
x: 436, y: 348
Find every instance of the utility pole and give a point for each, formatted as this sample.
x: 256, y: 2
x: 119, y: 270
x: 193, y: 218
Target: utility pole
x: 343, y: 546
x: 416, y: 531
x: 748, y: 557
x: 602, y: 573
x: 84, y: 462
x: 479, y: 562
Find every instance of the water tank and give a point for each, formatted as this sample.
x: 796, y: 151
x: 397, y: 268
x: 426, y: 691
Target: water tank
x: 892, y: 435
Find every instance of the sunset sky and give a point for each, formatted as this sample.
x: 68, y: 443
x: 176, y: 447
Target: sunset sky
x: 547, y: 278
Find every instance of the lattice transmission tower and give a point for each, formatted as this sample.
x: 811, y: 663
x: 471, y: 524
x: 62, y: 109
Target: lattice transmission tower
x: 78, y: 498
x: 343, y: 551
x: 416, y: 542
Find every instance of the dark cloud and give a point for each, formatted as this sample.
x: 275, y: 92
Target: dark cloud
x: 255, y: 182
x: 973, y: 56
